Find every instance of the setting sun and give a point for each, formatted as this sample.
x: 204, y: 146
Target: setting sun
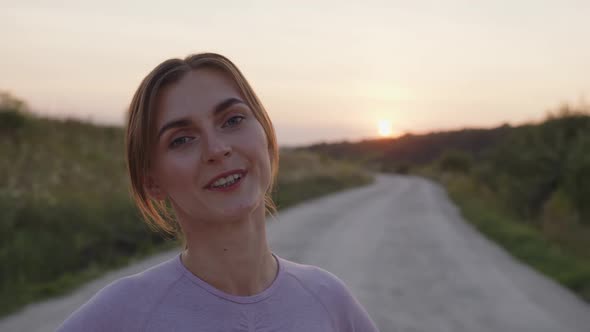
x: 385, y: 129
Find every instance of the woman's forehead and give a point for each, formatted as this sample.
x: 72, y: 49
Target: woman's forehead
x: 196, y: 93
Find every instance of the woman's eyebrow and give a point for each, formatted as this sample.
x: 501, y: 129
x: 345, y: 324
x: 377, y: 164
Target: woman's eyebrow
x: 226, y: 104
x: 184, y: 122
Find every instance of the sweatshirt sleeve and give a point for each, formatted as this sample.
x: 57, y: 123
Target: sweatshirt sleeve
x: 348, y: 313
x: 354, y: 314
x: 95, y: 315
x: 114, y: 308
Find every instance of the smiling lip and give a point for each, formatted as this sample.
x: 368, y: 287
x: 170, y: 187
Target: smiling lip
x: 242, y: 172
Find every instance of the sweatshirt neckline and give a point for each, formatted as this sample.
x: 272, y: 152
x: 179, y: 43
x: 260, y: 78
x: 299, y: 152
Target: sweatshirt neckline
x: 230, y: 297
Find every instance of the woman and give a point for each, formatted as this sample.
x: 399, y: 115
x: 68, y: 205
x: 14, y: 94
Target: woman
x: 202, y: 156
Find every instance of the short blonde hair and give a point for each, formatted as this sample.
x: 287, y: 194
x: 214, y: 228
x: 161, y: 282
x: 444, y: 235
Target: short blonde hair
x: 139, y: 140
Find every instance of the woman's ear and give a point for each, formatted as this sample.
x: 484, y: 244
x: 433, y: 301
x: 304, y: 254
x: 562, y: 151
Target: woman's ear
x: 153, y: 189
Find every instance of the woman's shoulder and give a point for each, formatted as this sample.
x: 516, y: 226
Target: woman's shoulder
x: 316, y: 279
x: 346, y: 311
x: 126, y: 302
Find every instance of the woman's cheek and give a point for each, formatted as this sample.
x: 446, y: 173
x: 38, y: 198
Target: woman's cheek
x: 180, y: 169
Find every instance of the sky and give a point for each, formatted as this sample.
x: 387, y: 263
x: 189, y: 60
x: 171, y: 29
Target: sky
x: 326, y: 71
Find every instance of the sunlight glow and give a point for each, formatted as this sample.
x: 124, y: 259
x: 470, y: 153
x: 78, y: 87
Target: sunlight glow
x: 385, y: 129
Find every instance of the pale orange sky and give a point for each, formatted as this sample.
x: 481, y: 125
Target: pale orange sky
x: 325, y: 72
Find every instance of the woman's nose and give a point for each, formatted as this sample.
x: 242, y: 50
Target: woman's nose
x: 215, y: 149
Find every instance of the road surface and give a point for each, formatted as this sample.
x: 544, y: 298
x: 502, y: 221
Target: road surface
x: 405, y: 253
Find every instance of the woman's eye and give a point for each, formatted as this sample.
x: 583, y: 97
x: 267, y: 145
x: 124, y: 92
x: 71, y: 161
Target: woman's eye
x: 234, y: 120
x: 179, y: 141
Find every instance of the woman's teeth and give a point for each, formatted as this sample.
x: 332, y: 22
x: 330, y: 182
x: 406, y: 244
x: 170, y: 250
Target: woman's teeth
x: 227, y: 181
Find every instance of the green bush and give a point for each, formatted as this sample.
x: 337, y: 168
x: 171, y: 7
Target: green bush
x: 577, y: 177
x: 13, y: 112
x: 455, y: 161
x: 536, y: 160
x: 11, y: 120
x: 41, y: 242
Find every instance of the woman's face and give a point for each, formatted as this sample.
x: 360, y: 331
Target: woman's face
x: 204, y: 128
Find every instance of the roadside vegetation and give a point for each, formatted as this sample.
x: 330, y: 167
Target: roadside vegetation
x: 67, y: 216
x: 531, y: 194
x: 304, y: 174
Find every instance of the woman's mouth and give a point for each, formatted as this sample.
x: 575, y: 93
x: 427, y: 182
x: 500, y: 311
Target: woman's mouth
x: 229, y: 183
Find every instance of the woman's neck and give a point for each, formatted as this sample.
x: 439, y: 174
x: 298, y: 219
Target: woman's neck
x: 234, y: 258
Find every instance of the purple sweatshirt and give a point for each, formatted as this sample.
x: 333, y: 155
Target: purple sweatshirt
x: 168, y: 297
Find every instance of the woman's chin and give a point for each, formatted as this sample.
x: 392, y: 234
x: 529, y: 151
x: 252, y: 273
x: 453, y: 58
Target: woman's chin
x: 239, y: 210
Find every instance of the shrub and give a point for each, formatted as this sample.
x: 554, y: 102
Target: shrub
x: 13, y: 112
x: 455, y: 161
x: 11, y: 119
x: 577, y: 177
